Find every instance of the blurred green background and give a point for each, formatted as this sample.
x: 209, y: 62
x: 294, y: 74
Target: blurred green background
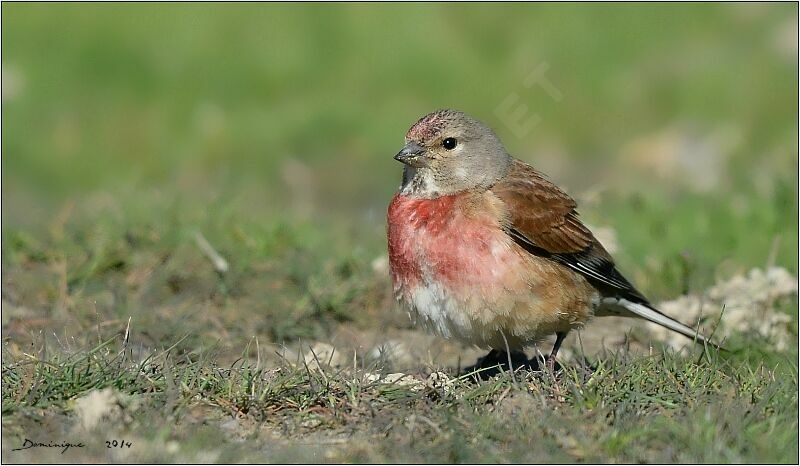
x: 271, y: 128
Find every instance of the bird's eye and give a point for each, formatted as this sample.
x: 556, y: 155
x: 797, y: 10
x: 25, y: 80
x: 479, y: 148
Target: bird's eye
x: 449, y: 143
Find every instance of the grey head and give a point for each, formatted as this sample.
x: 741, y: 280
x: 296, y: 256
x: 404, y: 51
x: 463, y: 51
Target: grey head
x: 448, y: 152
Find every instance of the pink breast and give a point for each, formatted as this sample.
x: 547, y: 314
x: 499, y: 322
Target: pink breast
x: 433, y: 239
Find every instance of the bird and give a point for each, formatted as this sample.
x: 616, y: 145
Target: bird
x: 486, y: 250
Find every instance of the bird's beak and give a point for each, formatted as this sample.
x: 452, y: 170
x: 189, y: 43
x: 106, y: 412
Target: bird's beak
x: 411, y: 155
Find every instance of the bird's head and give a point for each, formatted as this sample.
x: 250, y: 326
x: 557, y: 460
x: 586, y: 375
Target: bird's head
x: 447, y: 152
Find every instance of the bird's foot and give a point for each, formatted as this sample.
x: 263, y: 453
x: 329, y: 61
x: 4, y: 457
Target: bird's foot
x: 497, y: 361
x: 551, y: 364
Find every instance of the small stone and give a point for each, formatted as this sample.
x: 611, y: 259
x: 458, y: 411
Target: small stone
x: 311, y: 423
x: 748, y: 303
x: 325, y: 355
x: 396, y: 378
x: 439, y: 381
x: 399, y: 378
x: 95, y: 405
x: 371, y: 377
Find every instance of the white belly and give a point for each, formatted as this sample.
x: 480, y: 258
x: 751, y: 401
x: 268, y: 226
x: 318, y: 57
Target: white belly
x: 438, y: 311
x: 471, y: 320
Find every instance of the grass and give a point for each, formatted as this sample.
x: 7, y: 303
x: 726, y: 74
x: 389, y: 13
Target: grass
x: 269, y: 130
x: 632, y: 409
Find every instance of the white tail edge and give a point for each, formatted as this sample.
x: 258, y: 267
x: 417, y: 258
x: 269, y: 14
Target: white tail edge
x: 625, y: 308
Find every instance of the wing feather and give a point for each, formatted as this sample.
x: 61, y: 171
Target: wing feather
x: 542, y: 219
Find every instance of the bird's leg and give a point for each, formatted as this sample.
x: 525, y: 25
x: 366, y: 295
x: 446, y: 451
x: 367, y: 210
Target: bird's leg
x: 551, y: 359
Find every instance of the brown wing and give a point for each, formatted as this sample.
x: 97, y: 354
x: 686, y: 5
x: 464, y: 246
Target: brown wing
x: 542, y: 219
